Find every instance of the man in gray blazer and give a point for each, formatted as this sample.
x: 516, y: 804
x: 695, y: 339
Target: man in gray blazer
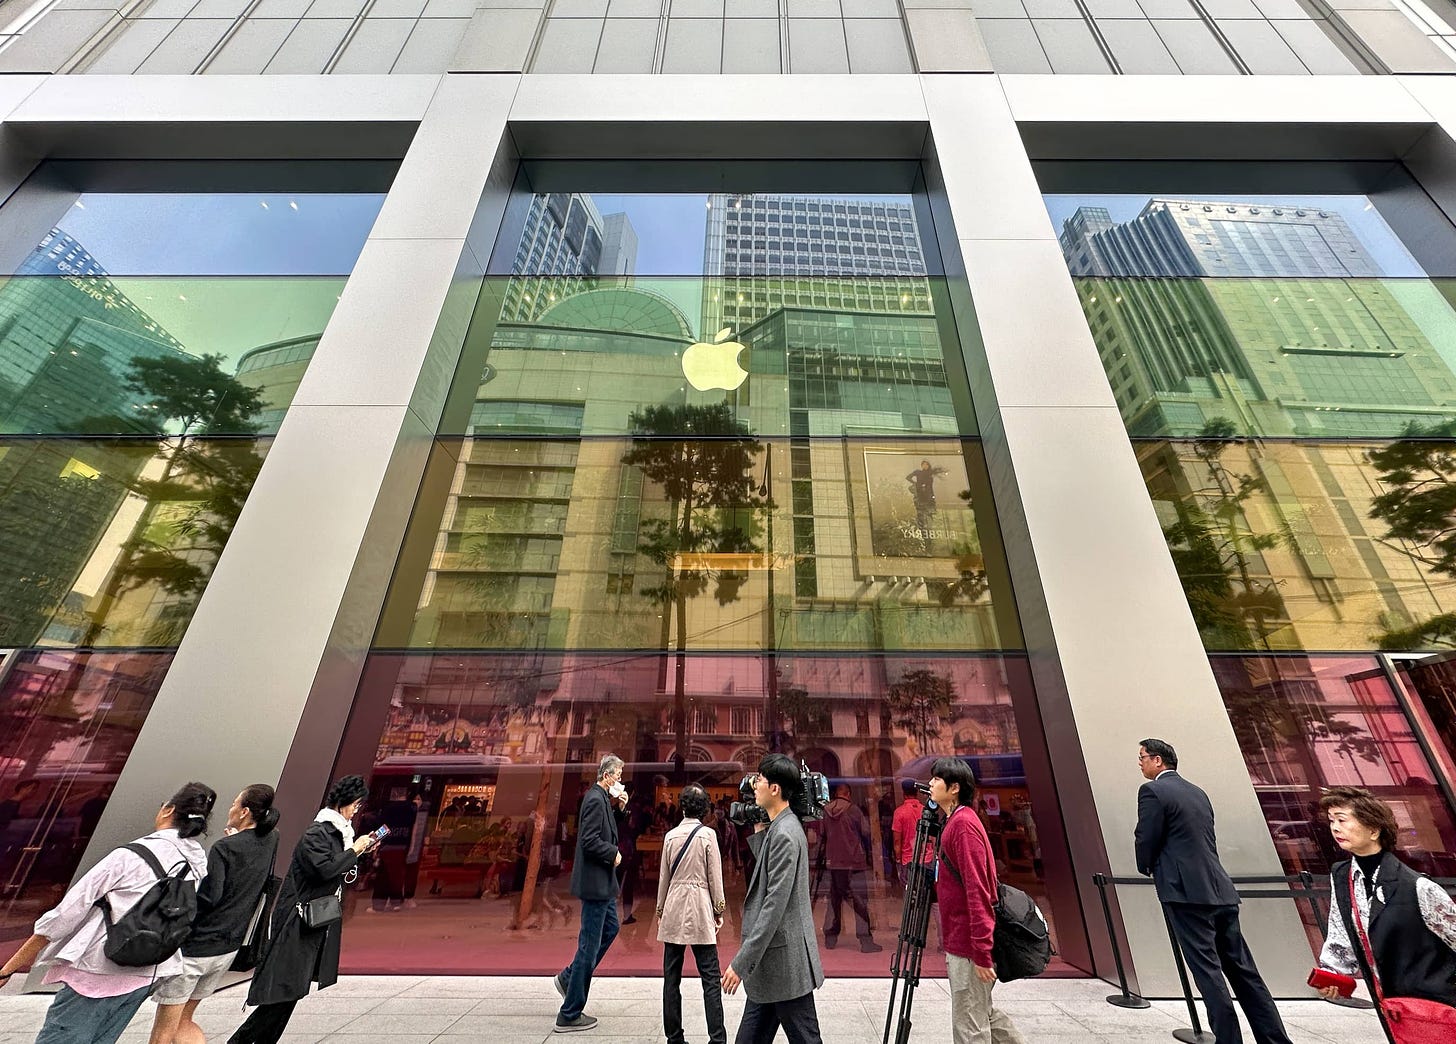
x: 778, y: 960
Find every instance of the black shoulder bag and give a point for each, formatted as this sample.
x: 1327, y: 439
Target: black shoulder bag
x: 260, y: 927
x: 682, y: 852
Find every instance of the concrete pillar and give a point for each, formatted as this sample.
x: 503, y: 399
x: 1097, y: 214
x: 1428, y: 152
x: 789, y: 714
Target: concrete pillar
x: 272, y: 657
x: 1114, y: 652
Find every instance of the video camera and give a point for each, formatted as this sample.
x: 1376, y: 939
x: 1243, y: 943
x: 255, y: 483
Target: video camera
x: 808, y: 803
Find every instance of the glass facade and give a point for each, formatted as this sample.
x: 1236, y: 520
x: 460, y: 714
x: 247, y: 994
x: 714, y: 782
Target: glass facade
x: 150, y: 343
x: 1285, y: 369
x: 688, y: 518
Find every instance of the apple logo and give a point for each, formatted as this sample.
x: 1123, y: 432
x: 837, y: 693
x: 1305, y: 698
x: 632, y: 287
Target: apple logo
x: 714, y: 365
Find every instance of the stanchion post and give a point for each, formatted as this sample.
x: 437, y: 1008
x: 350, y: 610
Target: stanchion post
x: 1196, y: 1034
x: 1125, y: 999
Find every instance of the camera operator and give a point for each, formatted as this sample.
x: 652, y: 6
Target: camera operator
x: 779, y: 957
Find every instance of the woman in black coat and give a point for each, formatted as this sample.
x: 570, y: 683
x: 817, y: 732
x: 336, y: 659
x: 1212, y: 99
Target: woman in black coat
x: 298, y: 956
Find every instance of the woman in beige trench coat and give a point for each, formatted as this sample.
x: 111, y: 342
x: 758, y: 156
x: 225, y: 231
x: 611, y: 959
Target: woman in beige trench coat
x: 690, y: 906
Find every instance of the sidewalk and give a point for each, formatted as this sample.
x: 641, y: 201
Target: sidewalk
x: 408, y: 1009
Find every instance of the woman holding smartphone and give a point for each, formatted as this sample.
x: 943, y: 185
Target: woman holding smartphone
x: 306, y: 925
x: 1388, y: 924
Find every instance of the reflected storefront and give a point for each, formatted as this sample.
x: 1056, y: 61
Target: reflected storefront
x: 484, y: 758
x: 689, y: 519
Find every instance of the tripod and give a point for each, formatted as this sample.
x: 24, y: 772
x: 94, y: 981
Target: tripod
x: 914, y: 921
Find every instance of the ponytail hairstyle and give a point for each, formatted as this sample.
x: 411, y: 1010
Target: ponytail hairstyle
x: 191, y: 807
x: 258, y: 799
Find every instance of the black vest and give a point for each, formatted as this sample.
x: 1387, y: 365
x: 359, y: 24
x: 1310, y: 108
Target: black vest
x: 1413, y: 961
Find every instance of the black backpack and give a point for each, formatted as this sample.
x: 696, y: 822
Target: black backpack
x: 159, y: 922
x: 1021, y: 946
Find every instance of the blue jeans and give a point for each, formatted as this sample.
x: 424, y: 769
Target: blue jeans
x: 598, y: 929
x: 74, y: 1019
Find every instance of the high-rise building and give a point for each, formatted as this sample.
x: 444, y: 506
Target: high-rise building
x: 765, y: 252
x: 564, y: 249
x: 1272, y: 318
x: 67, y: 338
x: 619, y: 246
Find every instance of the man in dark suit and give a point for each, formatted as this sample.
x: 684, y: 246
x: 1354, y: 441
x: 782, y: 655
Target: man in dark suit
x: 778, y: 960
x: 1176, y: 846
x: 594, y: 882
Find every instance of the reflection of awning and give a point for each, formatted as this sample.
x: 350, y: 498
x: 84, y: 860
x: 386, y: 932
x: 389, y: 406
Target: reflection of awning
x: 738, y: 562
x: 466, y: 765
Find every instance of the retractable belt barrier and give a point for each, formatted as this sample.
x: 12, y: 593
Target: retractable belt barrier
x: 1303, y: 887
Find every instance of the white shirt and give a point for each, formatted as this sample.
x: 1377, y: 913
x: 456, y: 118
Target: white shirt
x: 76, y: 927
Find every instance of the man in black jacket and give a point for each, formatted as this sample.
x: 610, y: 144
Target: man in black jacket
x: 594, y: 882
x: 1177, y: 847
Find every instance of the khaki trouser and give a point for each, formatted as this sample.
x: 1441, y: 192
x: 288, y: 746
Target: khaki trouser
x: 973, y: 1018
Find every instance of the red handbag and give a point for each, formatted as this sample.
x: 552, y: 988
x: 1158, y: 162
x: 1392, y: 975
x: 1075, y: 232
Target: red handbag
x: 1411, y: 1020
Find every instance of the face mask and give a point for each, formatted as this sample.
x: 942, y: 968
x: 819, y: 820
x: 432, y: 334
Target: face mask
x: 618, y: 791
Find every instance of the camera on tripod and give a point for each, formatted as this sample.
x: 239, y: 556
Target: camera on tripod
x: 809, y: 803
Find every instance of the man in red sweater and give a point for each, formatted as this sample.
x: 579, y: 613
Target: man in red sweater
x: 966, y: 888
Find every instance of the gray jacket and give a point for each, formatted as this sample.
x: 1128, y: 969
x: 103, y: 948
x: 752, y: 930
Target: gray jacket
x: 779, y: 957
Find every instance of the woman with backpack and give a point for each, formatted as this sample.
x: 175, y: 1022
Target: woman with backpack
x: 307, y: 921
x: 690, y: 904
x: 80, y: 937
x: 239, y: 868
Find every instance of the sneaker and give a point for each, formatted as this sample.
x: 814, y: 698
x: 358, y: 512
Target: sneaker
x: 576, y: 1025
x: 869, y: 946
x: 629, y: 919
x: 560, y: 984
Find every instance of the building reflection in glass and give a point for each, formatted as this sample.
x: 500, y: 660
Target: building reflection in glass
x: 481, y: 759
x: 688, y: 519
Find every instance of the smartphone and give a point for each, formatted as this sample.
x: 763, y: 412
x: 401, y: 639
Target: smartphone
x: 380, y: 834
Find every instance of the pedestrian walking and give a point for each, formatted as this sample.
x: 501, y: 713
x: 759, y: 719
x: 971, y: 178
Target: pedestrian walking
x: 98, y: 996
x: 239, y: 866
x: 778, y: 960
x: 1389, y: 925
x: 308, y: 920
x: 1177, y: 848
x: 690, y: 905
x: 594, y: 882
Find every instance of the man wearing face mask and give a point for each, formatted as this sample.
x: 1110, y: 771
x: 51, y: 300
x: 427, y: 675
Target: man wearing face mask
x: 594, y: 882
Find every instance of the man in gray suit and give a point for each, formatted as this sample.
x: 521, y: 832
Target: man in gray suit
x: 778, y: 960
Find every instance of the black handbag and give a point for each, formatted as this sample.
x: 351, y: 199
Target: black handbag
x: 260, y: 927
x: 323, y: 911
